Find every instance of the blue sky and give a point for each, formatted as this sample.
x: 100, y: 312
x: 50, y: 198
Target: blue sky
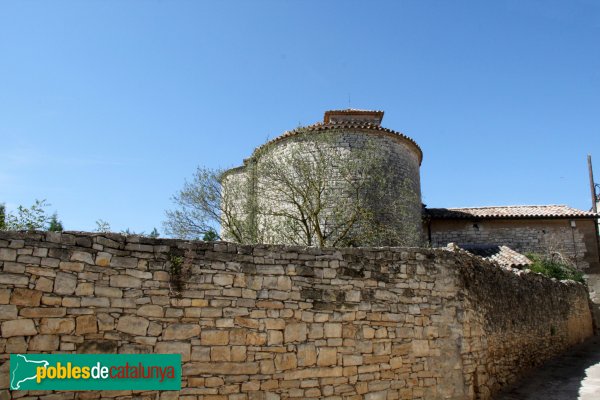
x: 106, y: 107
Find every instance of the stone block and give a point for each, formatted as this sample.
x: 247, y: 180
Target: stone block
x: 351, y: 360
x: 8, y: 312
x: 238, y: 353
x: 124, y: 262
x: 44, y: 284
x: 256, y: 338
x: 151, y: 310
x: 181, y: 331
x: 139, y: 274
x: 43, y: 343
x: 123, y: 303
x: 8, y: 254
x: 396, y: 362
x: 154, y: 329
x: 71, y: 266
x: 420, y: 348
x: 182, y: 348
x: 274, y: 338
x: 41, y: 312
x: 57, y: 325
x: 316, y: 331
x: 13, y: 279
x: 251, y: 323
x: 220, y: 353
x: 326, y: 356
x: 5, y: 296
x: 85, y: 289
x: 274, y: 323
x: 16, y: 344
x: 71, y: 302
x: 55, y: 301
x: 18, y: 327
x: 97, y: 347
x: 307, y: 355
x: 125, y: 281
x: 162, y: 276
x: 105, y: 322
x: 223, y: 279
x: 201, y: 353
x: 368, y: 332
x: 64, y: 283
x: 14, y: 267
x: 353, y: 296
x: 27, y: 259
x: 237, y: 336
x: 106, y: 291
x: 40, y: 252
x: 333, y: 330
x: 133, y: 325
x: 103, y: 259
x: 86, y: 324
x: 220, y: 368
x: 50, y: 262
x: 308, y: 373
x: 83, y: 257
x: 214, y: 337
x: 286, y: 361
x: 295, y: 332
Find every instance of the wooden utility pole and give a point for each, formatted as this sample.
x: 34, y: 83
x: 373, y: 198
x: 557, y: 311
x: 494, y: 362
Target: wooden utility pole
x: 592, y: 185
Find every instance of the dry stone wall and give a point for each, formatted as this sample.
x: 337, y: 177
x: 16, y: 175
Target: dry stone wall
x: 274, y: 322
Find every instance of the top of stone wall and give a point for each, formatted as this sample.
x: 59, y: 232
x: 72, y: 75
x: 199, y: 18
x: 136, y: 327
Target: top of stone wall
x: 460, y: 259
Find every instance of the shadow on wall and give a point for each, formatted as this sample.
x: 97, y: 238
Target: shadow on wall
x: 575, y: 375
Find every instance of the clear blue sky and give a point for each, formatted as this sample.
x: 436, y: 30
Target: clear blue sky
x: 106, y: 107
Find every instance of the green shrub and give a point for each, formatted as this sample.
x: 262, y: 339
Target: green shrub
x: 554, y: 269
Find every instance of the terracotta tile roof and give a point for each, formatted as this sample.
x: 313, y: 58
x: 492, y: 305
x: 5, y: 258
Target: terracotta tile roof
x: 503, y: 255
x: 549, y: 211
x: 354, y: 125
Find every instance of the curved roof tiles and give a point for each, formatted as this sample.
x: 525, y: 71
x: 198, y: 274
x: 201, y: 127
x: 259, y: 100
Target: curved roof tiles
x: 549, y: 211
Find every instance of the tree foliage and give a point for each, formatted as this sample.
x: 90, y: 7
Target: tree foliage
x: 54, y: 225
x: 30, y: 218
x: 554, y: 267
x: 203, y: 205
x: 322, y: 194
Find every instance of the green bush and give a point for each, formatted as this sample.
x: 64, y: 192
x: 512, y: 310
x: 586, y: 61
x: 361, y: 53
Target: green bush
x: 554, y: 269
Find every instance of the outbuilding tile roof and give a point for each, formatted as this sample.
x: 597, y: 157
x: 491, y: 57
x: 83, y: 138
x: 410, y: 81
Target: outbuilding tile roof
x: 503, y: 255
x: 548, y: 211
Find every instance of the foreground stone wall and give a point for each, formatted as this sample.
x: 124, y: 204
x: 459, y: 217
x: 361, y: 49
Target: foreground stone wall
x: 271, y: 322
x: 579, y: 243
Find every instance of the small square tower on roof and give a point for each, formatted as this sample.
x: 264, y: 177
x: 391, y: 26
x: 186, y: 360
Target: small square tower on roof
x: 351, y: 115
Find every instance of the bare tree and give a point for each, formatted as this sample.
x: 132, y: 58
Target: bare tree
x: 316, y: 192
x: 203, y: 205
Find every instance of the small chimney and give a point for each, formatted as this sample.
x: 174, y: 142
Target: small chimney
x: 351, y: 115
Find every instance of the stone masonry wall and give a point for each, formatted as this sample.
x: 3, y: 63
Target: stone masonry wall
x: 274, y: 322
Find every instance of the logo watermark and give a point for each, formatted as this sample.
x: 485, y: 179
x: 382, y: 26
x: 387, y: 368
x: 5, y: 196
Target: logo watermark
x: 95, y: 371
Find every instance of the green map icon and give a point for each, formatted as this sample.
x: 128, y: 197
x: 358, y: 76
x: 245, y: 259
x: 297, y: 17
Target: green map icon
x: 24, y: 368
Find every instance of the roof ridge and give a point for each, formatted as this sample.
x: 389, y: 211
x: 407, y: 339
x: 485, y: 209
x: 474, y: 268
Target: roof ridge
x: 511, y: 206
